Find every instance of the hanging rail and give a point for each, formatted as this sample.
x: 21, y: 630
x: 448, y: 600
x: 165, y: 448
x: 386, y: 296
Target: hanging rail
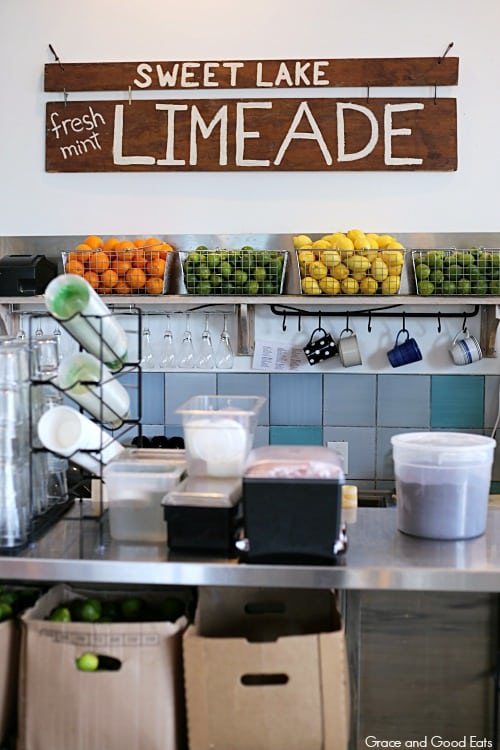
x: 378, y: 312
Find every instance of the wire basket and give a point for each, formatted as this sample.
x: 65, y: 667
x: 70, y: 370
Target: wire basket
x: 246, y: 271
x: 368, y: 272
x: 133, y: 270
x: 452, y: 272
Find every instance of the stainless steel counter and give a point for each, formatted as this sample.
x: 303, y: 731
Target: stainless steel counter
x: 379, y: 558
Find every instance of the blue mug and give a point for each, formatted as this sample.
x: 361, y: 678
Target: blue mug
x: 405, y: 353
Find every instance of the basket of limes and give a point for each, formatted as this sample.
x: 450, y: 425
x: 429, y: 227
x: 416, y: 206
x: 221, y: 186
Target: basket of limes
x: 233, y: 271
x: 473, y: 271
x: 350, y: 263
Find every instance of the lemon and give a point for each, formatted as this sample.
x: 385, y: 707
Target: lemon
x: 358, y: 275
x: 329, y: 285
x: 342, y: 242
x: 330, y: 237
x: 384, y: 239
x: 317, y: 270
x: 361, y: 243
x: 395, y: 270
x: 353, y: 234
x: 300, y: 240
x: 321, y: 244
x: 310, y: 285
x: 358, y: 263
x: 379, y: 270
x: 368, y: 285
x: 373, y: 242
x: 340, y: 271
x: 306, y: 256
x: 394, y: 245
x: 349, y: 286
x: 392, y: 257
x: 370, y: 254
x: 390, y: 285
x: 330, y: 258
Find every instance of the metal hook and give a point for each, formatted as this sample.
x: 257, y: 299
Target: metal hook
x: 299, y: 323
x: 464, y: 324
x: 404, y: 323
x: 319, y: 319
x: 445, y: 52
x: 370, y: 321
x: 347, y: 322
x: 56, y: 56
x: 283, y: 324
x: 439, y: 322
x: 130, y: 95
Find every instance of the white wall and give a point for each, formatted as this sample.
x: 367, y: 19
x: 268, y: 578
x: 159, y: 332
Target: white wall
x: 35, y: 203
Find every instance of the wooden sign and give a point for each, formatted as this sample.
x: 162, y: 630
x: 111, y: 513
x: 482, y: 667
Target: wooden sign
x: 245, y: 74
x: 299, y: 134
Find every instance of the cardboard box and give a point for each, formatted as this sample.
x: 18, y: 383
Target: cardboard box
x: 266, y: 668
x: 140, y: 706
x: 9, y: 658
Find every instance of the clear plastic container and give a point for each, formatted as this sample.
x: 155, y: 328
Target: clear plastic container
x: 136, y: 483
x: 219, y: 433
x: 295, y: 462
x: 442, y: 483
x: 205, y: 492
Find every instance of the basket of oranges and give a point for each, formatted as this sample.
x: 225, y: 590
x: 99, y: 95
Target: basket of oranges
x: 121, y: 266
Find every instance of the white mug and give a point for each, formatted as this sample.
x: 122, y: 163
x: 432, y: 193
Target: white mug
x: 350, y: 353
x: 65, y: 431
x: 465, y: 348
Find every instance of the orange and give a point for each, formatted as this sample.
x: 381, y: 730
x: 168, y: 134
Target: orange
x: 92, y: 278
x: 109, y: 278
x: 74, y: 266
x: 104, y: 289
x: 152, y: 242
x: 122, y: 288
x: 111, y: 243
x: 154, y: 285
x: 93, y: 241
x: 136, y: 278
x: 99, y: 261
x: 125, y: 245
x: 156, y: 267
x: 139, y: 259
x: 121, y: 266
x: 139, y: 242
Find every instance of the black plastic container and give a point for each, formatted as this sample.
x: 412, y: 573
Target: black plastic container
x: 199, y: 529
x: 25, y: 275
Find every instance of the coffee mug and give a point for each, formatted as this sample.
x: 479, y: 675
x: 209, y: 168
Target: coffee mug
x: 465, y: 348
x: 349, y: 350
x: 405, y: 353
x: 320, y: 346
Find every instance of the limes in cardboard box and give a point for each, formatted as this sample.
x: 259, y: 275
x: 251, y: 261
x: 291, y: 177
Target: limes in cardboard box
x: 87, y: 662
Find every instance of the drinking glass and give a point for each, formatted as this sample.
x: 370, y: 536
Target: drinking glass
x: 224, y: 356
x: 147, y: 360
x: 169, y: 358
x: 206, y: 357
x: 186, y: 350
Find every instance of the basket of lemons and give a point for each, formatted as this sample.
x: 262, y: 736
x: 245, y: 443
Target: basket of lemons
x: 350, y: 263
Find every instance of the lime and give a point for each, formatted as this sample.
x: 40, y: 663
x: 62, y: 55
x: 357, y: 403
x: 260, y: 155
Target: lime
x: 453, y: 272
x: 448, y: 287
x: 259, y: 273
x: 5, y: 611
x: 473, y: 272
x: 193, y: 259
x: 172, y: 608
x: 265, y: 258
x: 422, y: 271
x: 426, y: 287
x: 465, y: 258
x: 87, y: 662
x: 247, y: 260
x: 240, y: 277
x: 110, y: 611
x: 495, y: 287
x: 216, y: 279
x: 495, y: 259
x: 226, y: 269
x: 204, y: 287
x: 480, y: 287
x: 213, y: 260
x: 463, y: 286
x: 201, y: 249
x: 227, y: 287
x: 204, y: 273
x: 60, y: 614
x: 268, y: 287
x: 252, y: 287
x: 132, y: 608
x: 436, y: 276
x: 86, y: 610
x: 435, y: 258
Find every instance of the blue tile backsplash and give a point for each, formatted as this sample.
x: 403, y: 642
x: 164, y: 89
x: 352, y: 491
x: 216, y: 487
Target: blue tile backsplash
x: 314, y: 408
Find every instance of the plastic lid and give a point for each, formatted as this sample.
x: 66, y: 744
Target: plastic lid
x: 205, y: 492
x: 437, y: 440
x: 294, y: 461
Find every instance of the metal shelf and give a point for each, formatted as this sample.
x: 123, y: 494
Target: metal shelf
x: 379, y: 557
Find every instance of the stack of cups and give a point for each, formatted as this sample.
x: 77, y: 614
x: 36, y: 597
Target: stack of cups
x: 50, y: 471
x: 14, y: 443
